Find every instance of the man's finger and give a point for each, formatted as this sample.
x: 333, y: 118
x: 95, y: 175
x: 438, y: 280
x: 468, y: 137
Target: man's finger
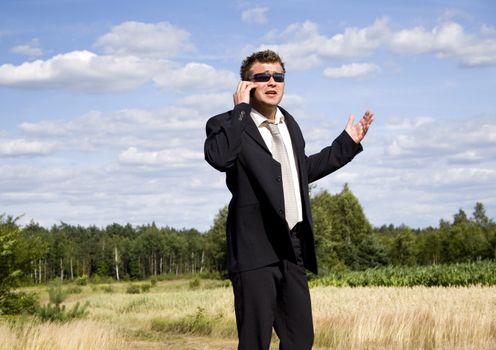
x: 351, y: 119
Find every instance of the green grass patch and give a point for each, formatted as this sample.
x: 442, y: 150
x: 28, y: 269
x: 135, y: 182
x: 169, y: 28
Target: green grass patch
x: 453, y: 275
x: 197, y: 324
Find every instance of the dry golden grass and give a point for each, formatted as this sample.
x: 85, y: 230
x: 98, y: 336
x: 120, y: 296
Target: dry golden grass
x: 172, y: 316
x: 405, y: 318
x: 77, y: 335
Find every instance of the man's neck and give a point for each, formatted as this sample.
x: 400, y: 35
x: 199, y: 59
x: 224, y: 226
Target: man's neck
x: 268, y: 112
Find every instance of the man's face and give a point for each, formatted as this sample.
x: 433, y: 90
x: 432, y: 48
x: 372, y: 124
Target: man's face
x: 270, y: 93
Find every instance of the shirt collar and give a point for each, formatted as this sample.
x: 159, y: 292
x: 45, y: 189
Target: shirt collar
x: 259, y: 119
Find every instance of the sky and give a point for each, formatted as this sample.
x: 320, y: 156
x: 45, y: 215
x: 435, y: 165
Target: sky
x: 103, y: 104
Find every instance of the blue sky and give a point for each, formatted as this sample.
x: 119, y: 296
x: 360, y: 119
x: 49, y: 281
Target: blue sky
x: 104, y: 103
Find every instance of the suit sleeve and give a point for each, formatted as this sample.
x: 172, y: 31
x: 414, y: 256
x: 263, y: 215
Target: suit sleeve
x: 342, y: 150
x: 223, y: 142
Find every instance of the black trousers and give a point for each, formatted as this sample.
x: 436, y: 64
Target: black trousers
x: 274, y: 296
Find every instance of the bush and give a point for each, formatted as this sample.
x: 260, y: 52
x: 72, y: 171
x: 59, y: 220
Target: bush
x: 145, y: 287
x: 82, y: 281
x: 54, y: 311
x: 133, y: 289
x: 135, y: 305
x: 195, y: 284
x: 97, y: 279
x: 107, y: 289
x: 213, y: 284
x: 57, y: 294
x: 18, y: 303
x: 74, y: 290
x: 197, y: 324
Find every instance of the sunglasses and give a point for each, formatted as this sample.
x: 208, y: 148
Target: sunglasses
x: 265, y: 77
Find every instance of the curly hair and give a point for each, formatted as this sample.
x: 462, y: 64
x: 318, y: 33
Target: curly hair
x: 265, y: 56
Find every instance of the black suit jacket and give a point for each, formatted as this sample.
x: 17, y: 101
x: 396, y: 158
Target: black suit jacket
x: 257, y: 232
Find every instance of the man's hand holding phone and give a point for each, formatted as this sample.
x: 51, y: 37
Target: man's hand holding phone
x: 242, y: 93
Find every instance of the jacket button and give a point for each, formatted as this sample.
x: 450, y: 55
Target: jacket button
x: 278, y: 179
x: 281, y: 211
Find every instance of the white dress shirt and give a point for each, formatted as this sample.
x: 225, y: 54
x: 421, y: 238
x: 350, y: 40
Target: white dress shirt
x: 259, y: 120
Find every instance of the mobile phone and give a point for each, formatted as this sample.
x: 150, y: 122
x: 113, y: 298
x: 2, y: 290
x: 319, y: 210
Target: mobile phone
x: 252, y: 92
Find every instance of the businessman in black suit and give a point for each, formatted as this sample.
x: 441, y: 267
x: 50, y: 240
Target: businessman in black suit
x: 270, y: 239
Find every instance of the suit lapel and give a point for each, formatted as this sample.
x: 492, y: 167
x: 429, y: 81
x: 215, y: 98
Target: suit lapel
x: 254, y: 133
x: 295, y: 136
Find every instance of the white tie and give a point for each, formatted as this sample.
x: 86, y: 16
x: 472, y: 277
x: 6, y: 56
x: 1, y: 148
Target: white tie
x: 280, y: 154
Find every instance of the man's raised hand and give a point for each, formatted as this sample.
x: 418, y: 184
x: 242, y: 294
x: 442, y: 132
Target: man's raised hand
x: 358, y: 131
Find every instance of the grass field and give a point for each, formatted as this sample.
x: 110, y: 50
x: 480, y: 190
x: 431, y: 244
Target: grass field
x: 184, y: 315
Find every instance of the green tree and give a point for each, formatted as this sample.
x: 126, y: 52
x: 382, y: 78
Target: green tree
x: 479, y: 215
x: 11, y: 271
x: 16, y: 255
x: 464, y: 239
x: 429, y: 247
x: 343, y: 235
x: 35, y: 236
x: 327, y: 242
x: 215, y: 243
x: 403, y: 248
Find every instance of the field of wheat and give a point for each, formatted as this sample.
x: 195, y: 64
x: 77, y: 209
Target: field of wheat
x: 199, y: 316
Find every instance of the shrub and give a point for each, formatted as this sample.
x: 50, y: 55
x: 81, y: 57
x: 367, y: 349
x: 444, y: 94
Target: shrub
x: 74, y: 290
x: 97, y: 279
x: 18, y: 303
x: 107, y: 289
x: 195, y: 284
x: 54, y: 311
x: 145, y: 287
x: 82, y: 281
x: 57, y: 294
x: 133, y: 289
x: 135, y: 305
x: 197, y: 324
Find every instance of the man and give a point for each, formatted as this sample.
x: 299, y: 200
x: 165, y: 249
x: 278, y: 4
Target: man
x: 270, y: 240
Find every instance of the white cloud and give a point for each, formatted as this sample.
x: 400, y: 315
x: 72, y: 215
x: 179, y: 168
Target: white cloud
x: 304, y: 46
x: 81, y: 71
x: 171, y: 157
x: 208, y: 104
x: 425, y: 139
x: 469, y: 156
x: 255, y: 15
x: 488, y: 29
x: 452, y: 13
x: 165, y: 127
x: 446, y: 40
x: 145, y: 40
x: 134, y: 56
x: 353, y: 70
x: 84, y: 71
x: 23, y: 147
x: 31, y: 49
x: 27, y: 197
x: 293, y: 102
x: 196, y: 77
x: 405, y: 123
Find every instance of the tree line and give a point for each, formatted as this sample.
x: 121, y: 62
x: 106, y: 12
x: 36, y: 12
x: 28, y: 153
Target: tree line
x: 345, y: 241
